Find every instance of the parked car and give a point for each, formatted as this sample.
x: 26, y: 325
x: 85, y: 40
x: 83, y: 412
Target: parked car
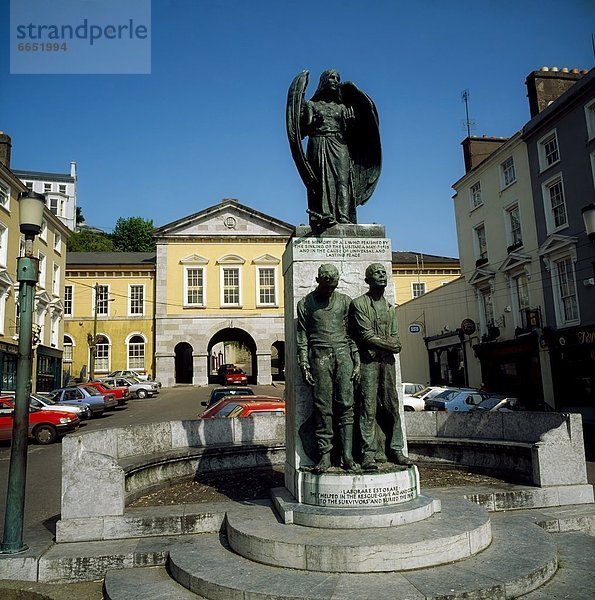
x: 412, y: 388
x: 456, y: 400
x: 234, y: 376
x: 245, y: 407
x: 121, y: 392
x: 137, y: 388
x: 97, y: 401
x: 501, y: 403
x: 45, y: 426
x: 82, y: 410
x: 219, y: 393
x: 417, y: 401
x: 129, y: 373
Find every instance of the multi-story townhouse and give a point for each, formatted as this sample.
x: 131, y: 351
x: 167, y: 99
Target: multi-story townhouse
x: 50, y: 248
x: 498, y: 245
x: 560, y: 138
x: 527, y: 265
x: 59, y: 190
x: 109, y: 297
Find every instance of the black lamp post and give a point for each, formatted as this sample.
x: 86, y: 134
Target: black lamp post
x: 31, y: 207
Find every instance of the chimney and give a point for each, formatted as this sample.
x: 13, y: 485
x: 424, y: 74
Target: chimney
x: 548, y: 84
x: 477, y: 149
x: 5, y: 146
x: 73, y: 169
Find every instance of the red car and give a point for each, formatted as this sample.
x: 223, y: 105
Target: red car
x: 242, y: 406
x: 235, y: 376
x: 45, y: 426
x: 121, y: 393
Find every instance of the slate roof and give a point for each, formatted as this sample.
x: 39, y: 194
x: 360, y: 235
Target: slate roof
x: 110, y: 258
x: 402, y: 257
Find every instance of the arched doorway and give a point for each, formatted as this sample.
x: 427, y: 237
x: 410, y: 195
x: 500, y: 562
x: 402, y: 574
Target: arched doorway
x: 183, y: 362
x: 232, y: 345
x: 278, y: 361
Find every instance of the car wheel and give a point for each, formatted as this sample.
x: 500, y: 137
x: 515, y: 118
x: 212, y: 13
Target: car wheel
x: 408, y: 408
x: 45, y: 434
x: 141, y: 394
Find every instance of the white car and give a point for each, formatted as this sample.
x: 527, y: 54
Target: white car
x: 140, y: 389
x: 409, y: 402
x: 417, y: 400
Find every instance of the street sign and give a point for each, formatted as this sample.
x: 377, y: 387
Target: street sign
x: 414, y: 328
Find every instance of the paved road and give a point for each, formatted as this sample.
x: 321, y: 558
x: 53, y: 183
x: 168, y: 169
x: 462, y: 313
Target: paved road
x: 42, y: 502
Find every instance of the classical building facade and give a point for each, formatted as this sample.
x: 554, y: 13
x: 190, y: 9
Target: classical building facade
x: 50, y: 248
x: 219, y: 288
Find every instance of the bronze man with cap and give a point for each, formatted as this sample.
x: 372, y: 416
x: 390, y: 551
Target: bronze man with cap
x: 329, y: 363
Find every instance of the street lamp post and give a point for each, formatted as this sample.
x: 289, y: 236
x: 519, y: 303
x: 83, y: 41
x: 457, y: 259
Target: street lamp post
x: 31, y: 207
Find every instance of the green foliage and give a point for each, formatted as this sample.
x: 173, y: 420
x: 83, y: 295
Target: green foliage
x: 134, y: 234
x: 88, y: 240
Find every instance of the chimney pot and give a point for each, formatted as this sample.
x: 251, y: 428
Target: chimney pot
x: 575, y: 70
x: 584, y: 72
x: 544, y: 69
x: 555, y: 69
x: 565, y: 70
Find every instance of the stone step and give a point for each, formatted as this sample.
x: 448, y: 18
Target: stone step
x: 85, y: 561
x: 521, y: 558
x: 461, y: 530
x: 144, y: 583
x: 293, y: 512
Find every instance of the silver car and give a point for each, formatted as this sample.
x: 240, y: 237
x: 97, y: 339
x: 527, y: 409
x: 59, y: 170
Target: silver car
x: 81, y: 409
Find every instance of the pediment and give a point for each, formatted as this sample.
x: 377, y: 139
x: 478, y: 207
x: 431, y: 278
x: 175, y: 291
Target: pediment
x: 515, y: 260
x: 266, y: 259
x: 42, y: 298
x: 227, y: 219
x: 556, y: 243
x: 481, y: 276
x: 231, y: 259
x: 194, y: 259
x: 57, y: 306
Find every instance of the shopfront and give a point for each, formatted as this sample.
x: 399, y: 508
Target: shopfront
x: 48, y: 374
x: 572, y: 355
x: 8, y: 367
x: 512, y: 368
x: 447, y: 359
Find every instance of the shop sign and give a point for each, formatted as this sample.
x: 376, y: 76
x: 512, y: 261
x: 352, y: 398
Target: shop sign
x: 414, y: 328
x: 468, y: 326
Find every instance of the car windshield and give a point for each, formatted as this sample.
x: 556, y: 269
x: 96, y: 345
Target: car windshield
x: 132, y: 380
x: 106, y: 385
x: 55, y: 394
x: 46, y: 401
x: 422, y: 392
x: 446, y: 395
x: 91, y: 390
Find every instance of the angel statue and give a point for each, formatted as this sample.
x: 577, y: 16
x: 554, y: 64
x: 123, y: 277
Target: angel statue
x: 341, y: 165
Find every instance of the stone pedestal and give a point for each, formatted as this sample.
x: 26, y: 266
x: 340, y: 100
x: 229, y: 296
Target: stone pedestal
x: 263, y: 359
x: 351, y: 248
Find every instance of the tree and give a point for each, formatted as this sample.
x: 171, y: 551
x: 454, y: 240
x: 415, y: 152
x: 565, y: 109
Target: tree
x: 89, y: 240
x: 134, y: 234
x: 80, y: 219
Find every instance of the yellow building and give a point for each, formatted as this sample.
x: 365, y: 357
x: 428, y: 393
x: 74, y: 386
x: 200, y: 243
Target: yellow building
x: 219, y: 294
x: 121, y: 285
x: 415, y: 273
x: 213, y: 294
x: 50, y: 248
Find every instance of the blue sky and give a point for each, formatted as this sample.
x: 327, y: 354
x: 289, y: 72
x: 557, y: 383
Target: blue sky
x: 209, y: 121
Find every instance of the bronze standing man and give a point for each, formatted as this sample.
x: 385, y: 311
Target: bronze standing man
x: 329, y: 363
x: 375, y: 329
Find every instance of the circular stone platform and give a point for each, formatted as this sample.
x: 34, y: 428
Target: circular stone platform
x: 357, y: 490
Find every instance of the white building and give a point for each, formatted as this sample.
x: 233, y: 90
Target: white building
x: 59, y: 190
